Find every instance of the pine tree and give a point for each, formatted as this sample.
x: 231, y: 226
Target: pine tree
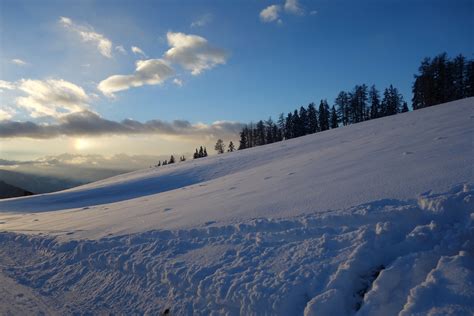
x: 165, y: 162
x: 334, y: 118
x: 313, y: 125
x: 405, y: 107
x: 231, y: 147
x: 243, y: 138
x: 375, y: 105
x: 324, y: 115
x: 260, y: 133
x: 205, y: 152
x: 269, y: 131
x: 343, y: 107
x: 182, y: 158
x: 196, y: 154
x: 289, y: 126
x: 201, y: 152
x: 219, y: 147
x: 297, y: 128
x: 281, y: 125
x: 304, y: 121
x: 171, y: 160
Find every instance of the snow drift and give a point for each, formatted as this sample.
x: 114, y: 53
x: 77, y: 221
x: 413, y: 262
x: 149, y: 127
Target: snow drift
x: 374, y: 218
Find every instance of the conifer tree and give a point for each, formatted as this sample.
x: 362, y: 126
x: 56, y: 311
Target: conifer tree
x: 304, y: 121
x: 405, y: 107
x: 334, y: 118
x: 171, y: 160
x: 324, y: 115
x: 243, y: 138
x: 281, y: 125
x: 231, y: 147
x: 196, y: 154
x: 343, y: 107
x: 375, y: 106
x: 205, y: 152
x: 219, y: 147
x: 313, y: 125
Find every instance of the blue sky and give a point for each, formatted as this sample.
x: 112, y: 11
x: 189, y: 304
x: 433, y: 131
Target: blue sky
x: 270, y: 66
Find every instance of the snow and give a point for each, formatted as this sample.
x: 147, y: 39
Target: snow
x: 374, y: 218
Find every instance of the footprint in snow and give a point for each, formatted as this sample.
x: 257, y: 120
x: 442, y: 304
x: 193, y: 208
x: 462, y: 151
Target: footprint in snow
x: 203, y: 185
x: 439, y: 138
x: 266, y: 178
x: 2, y: 222
x: 405, y: 153
x: 86, y: 208
x: 232, y: 188
x: 291, y: 173
x: 69, y: 233
x: 167, y: 209
x: 36, y: 220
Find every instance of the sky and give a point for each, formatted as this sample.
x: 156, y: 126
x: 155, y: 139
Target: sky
x: 162, y: 77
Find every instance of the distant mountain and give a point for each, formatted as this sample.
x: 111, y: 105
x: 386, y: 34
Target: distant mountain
x: 9, y: 191
x: 37, y: 183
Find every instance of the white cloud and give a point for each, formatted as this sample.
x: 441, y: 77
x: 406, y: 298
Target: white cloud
x: 313, y: 12
x: 121, y: 49
x: 19, y: 62
x: 87, y: 34
x: 293, y: 6
x: 51, y: 97
x: 6, y: 113
x: 202, y: 20
x: 6, y: 85
x: 151, y: 72
x: 178, y: 82
x: 138, y: 51
x: 193, y: 52
x: 271, y: 13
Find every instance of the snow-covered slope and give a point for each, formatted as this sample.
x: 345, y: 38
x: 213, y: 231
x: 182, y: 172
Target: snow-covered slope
x: 374, y: 218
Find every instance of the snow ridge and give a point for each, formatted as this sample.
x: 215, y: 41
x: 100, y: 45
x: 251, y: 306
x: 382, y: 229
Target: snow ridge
x: 384, y: 257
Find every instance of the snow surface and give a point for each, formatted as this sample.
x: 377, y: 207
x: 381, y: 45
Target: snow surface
x: 371, y: 219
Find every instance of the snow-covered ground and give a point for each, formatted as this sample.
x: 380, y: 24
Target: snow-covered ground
x: 372, y: 219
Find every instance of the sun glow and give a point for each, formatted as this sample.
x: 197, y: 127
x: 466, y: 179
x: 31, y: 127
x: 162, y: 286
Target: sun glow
x: 82, y: 144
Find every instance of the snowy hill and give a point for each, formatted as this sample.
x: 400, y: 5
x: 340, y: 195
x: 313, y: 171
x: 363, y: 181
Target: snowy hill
x: 374, y: 218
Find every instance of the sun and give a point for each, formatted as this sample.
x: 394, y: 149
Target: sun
x: 82, y: 144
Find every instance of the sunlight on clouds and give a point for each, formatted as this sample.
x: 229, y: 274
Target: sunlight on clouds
x: 51, y: 97
x: 270, y: 13
x: 81, y: 144
x: 151, y: 72
x: 193, y: 52
x: 87, y: 34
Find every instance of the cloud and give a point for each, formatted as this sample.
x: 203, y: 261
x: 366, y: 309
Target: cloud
x: 51, y: 97
x: 19, y: 62
x: 87, y: 34
x: 193, y: 52
x: 137, y: 51
x: 151, y: 72
x: 6, y: 113
x: 313, y: 12
x: 178, y: 82
x: 121, y: 49
x: 271, y: 13
x: 6, y: 85
x: 293, y: 7
x: 202, y: 20
x: 87, y: 123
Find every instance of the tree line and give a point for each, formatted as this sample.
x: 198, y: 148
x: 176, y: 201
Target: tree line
x: 360, y: 104
x: 439, y: 80
x: 442, y: 79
